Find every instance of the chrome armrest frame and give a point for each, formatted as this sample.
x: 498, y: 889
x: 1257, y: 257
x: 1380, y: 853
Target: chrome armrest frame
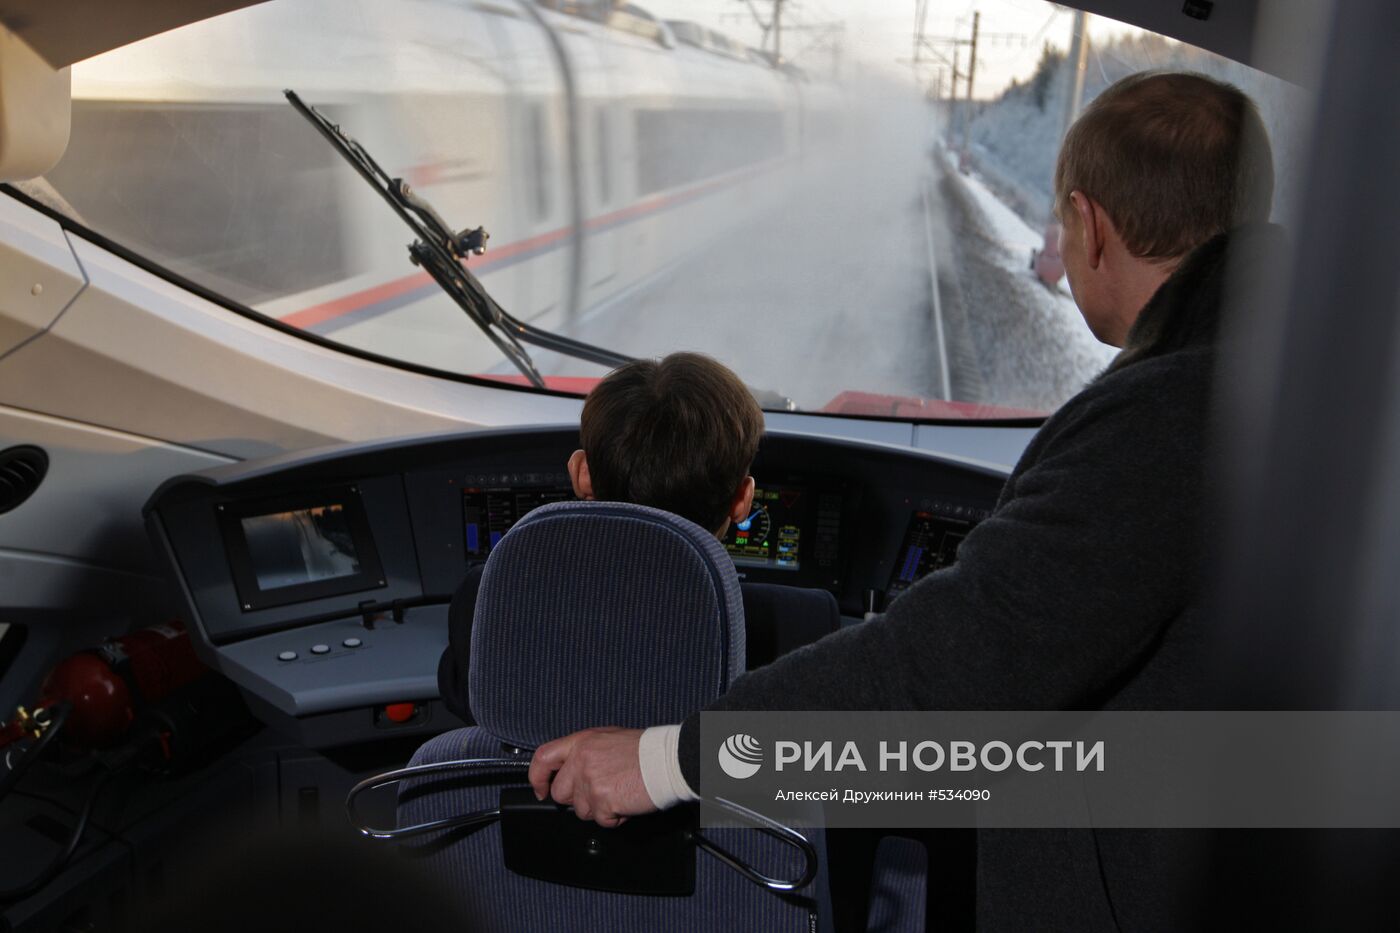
x: 783, y: 834
x: 441, y: 767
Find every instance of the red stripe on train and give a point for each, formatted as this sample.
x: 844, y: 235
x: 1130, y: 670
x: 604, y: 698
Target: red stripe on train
x: 316, y: 314
x: 355, y: 301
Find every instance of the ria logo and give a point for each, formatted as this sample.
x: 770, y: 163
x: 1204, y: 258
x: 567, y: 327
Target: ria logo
x: 741, y: 756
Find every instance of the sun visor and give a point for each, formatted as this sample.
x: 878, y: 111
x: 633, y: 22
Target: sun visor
x: 35, y: 110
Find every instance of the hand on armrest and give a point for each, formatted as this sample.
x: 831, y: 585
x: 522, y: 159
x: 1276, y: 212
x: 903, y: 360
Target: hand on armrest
x: 598, y: 772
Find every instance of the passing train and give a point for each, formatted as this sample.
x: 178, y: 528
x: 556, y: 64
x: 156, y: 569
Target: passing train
x: 183, y: 718
x: 596, y: 145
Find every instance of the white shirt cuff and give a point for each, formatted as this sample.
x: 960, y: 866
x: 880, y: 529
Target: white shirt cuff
x: 659, y: 752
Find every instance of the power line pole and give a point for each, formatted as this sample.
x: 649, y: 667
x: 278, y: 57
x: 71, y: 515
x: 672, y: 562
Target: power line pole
x: 971, y: 73
x: 920, y: 17
x: 934, y: 45
x: 972, y: 63
x: 820, y: 37
x: 778, y: 30
x: 765, y: 27
x: 1078, y: 61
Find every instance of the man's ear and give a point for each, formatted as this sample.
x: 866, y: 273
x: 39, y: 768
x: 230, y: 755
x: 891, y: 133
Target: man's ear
x: 743, y: 501
x: 578, y: 475
x: 1091, y: 226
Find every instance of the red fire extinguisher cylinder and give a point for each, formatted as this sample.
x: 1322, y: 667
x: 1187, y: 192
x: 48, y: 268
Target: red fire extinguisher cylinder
x: 105, y: 685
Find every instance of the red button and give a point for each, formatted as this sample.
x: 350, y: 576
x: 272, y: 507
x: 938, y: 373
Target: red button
x: 400, y: 712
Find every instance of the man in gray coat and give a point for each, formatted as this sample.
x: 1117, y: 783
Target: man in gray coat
x: 1084, y: 589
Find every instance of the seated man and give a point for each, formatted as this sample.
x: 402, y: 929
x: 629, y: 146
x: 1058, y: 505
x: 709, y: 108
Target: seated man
x: 678, y: 434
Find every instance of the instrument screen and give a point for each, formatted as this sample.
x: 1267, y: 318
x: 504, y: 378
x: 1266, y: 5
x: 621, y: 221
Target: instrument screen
x: 771, y: 535
x: 300, y: 547
x: 931, y: 542
x: 792, y: 535
x: 488, y: 513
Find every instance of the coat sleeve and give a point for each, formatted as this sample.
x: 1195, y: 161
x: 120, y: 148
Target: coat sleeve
x: 1055, y: 598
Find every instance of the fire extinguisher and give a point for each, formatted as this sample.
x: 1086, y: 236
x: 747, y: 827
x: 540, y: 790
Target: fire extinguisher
x: 108, y: 685
x: 142, y: 699
x: 92, y: 698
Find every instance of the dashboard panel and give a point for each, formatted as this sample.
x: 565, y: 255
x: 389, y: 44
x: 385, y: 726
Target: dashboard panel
x: 319, y: 582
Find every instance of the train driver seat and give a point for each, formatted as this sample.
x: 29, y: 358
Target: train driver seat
x: 596, y: 613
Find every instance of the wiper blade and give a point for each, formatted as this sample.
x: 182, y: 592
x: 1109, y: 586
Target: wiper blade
x: 442, y: 253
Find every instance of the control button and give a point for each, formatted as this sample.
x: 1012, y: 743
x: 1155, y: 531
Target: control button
x: 400, y: 712
x: 320, y: 649
x: 352, y: 643
x: 287, y: 656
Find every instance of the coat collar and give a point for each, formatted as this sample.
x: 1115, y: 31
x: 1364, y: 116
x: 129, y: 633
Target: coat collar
x: 1185, y: 312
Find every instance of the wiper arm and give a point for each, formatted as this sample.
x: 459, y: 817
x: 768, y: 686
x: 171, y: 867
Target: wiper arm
x: 442, y: 253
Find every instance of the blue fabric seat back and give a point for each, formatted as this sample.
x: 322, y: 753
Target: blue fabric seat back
x: 594, y: 614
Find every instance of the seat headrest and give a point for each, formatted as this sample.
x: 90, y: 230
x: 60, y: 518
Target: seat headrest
x: 602, y: 613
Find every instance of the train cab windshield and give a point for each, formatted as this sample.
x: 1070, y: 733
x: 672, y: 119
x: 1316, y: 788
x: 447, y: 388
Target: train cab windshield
x: 649, y: 183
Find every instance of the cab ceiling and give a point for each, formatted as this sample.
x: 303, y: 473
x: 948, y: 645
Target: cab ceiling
x: 1280, y: 36
x: 68, y: 31
x: 1227, y: 29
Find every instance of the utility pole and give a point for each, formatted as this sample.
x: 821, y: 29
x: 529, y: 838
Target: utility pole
x: 778, y: 30
x: 821, y: 37
x: 765, y: 27
x: 935, y: 45
x: 1078, y: 61
x: 972, y: 64
x: 920, y: 18
x: 971, y: 73
x: 828, y: 37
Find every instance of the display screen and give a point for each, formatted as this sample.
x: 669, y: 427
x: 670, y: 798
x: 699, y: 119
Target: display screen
x: 930, y: 543
x: 300, y: 546
x: 488, y: 514
x: 784, y: 527
x: 791, y: 535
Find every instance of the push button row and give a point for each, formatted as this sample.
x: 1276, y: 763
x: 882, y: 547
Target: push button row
x: 351, y: 642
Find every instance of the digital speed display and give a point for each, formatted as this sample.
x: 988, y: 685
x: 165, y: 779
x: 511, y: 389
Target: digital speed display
x: 771, y: 535
x: 791, y: 535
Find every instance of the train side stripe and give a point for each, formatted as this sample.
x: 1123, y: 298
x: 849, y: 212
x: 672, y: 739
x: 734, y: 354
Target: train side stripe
x: 376, y: 300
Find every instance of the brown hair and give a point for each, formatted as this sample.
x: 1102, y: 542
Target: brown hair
x: 678, y: 434
x: 1173, y: 158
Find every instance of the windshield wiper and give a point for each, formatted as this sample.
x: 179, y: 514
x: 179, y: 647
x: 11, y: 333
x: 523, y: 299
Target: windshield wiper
x: 442, y: 252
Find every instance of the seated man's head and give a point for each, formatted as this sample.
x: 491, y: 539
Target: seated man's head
x: 1155, y: 166
x: 677, y: 434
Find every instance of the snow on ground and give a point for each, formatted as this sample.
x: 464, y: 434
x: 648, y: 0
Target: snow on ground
x: 1001, y: 221
x: 1016, y: 341
x: 1019, y: 239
